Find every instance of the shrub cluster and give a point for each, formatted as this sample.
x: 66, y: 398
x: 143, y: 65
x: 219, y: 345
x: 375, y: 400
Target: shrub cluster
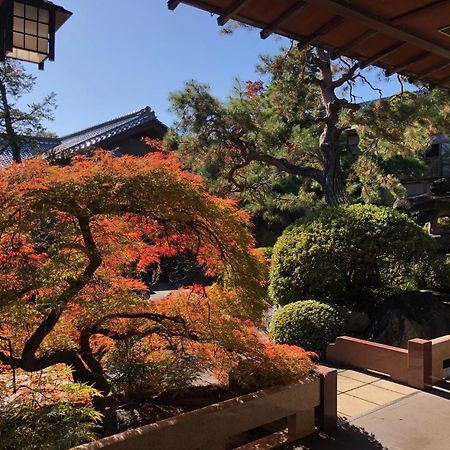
x: 309, y: 324
x: 348, y: 253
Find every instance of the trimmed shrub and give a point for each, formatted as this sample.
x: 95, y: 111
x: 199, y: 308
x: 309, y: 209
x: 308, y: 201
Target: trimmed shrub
x: 349, y: 253
x: 309, y: 324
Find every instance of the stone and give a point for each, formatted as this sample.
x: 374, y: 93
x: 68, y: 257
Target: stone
x: 358, y: 321
x: 440, y: 186
x: 409, y: 315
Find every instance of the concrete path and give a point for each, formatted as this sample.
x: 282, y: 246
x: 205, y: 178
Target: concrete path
x: 359, y: 393
x: 415, y: 421
x: 162, y: 289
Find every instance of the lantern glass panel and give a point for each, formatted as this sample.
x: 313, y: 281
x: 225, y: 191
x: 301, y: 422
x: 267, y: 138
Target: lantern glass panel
x: 43, y: 16
x: 31, y: 12
x: 18, y: 40
x: 19, y: 24
x: 42, y: 45
x: 19, y: 9
x: 26, y: 55
x: 30, y: 28
x: 43, y: 30
x: 30, y: 43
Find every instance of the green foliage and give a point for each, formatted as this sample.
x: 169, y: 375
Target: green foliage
x: 395, y: 133
x: 281, y: 116
x: 48, y: 413
x: 267, y: 251
x: 132, y: 371
x: 17, y: 83
x: 275, y: 117
x: 349, y: 254
x: 59, y: 426
x: 309, y: 324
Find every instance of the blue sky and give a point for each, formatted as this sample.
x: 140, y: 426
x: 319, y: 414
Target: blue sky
x: 113, y: 57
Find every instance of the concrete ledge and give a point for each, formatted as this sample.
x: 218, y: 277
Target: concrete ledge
x: 440, y: 350
x: 419, y: 366
x: 392, y: 361
x: 210, y: 428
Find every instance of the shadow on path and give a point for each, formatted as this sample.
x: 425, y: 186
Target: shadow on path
x: 441, y: 389
x: 347, y: 437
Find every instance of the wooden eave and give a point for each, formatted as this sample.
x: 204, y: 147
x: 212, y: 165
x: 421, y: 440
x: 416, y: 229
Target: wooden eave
x: 401, y: 36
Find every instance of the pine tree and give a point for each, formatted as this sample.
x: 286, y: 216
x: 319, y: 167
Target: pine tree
x: 17, y: 125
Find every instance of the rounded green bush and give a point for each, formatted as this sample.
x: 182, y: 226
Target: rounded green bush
x: 309, y: 324
x: 347, y: 253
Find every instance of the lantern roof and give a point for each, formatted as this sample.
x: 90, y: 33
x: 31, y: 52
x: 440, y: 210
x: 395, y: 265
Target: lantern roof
x: 409, y: 37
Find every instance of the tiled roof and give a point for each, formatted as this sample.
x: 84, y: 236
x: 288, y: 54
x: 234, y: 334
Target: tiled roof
x: 32, y: 147
x: 93, y: 136
x: 83, y: 140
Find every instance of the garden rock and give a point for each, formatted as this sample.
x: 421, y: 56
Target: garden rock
x: 358, y: 321
x: 407, y: 316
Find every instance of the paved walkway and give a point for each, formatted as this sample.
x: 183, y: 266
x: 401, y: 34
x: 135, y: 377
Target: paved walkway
x: 359, y: 393
x: 382, y: 415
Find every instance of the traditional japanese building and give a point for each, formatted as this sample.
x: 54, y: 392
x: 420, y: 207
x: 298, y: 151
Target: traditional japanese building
x: 122, y: 135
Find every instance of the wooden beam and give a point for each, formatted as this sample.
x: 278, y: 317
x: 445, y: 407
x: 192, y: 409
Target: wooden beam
x: 433, y: 70
x: 430, y: 7
x: 382, y: 25
x: 172, y: 4
x: 443, y: 81
x: 227, y: 15
x: 284, y: 17
x: 51, y: 34
x: 356, y: 42
x: 320, y: 32
x: 382, y: 54
x: 408, y: 62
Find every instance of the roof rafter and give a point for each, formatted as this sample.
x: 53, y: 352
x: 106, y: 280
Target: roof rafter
x: 433, y: 70
x: 382, y: 54
x: 283, y: 18
x: 172, y: 4
x: 333, y: 23
x: 445, y: 80
x: 356, y: 42
x: 418, y: 11
x: 398, y: 23
x: 227, y: 15
x: 382, y: 25
x: 402, y: 66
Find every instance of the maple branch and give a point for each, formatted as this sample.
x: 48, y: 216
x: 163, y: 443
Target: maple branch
x: 75, y: 286
x: 100, y: 328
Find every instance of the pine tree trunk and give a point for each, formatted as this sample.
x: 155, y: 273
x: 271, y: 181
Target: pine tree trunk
x: 334, y: 189
x: 10, y: 133
x: 333, y: 184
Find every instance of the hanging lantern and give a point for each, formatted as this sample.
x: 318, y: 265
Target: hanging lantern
x: 27, y: 29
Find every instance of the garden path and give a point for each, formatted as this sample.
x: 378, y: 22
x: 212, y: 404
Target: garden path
x: 377, y: 414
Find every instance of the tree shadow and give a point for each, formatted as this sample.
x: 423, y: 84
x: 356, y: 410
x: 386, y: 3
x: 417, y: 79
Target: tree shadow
x: 346, y: 437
